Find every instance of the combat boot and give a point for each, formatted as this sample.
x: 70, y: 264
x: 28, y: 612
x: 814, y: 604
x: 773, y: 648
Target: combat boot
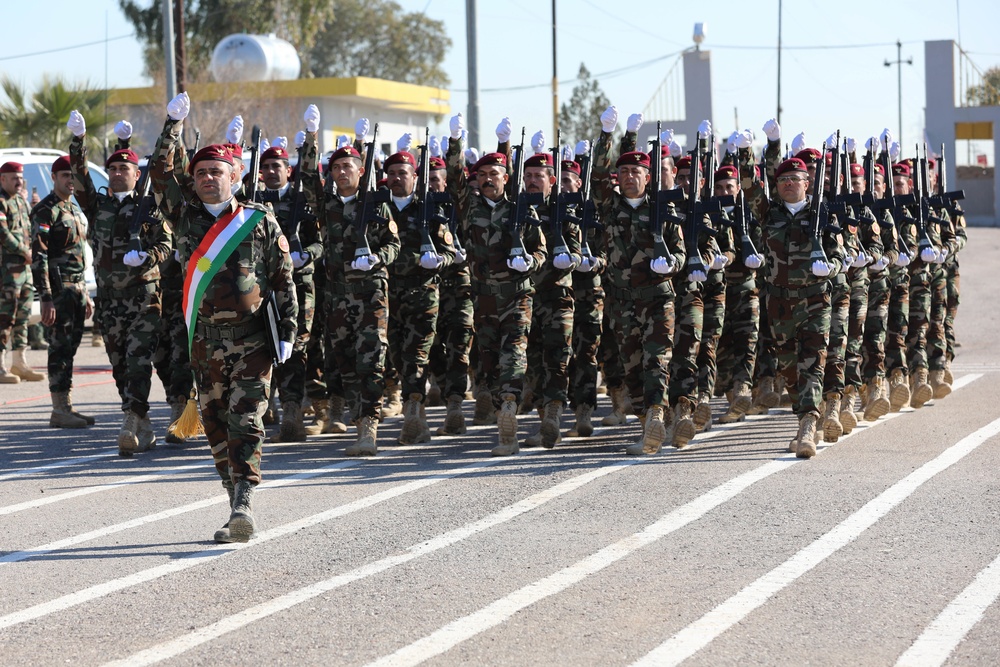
x: 638, y: 448
x: 832, y: 428
x: 415, y: 429
x: 96, y: 339
x: 848, y: 419
x: 617, y: 416
x: 584, y: 427
x: 145, y: 435
x: 393, y: 400
x: 222, y: 535
x: 21, y: 369
x: 454, y: 419
x: 367, y: 434
x: 321, y: 412
x: 684, y: 429
x: 128, y: 441
x: 434, y: 397
x: 176, y: 410
x: 335, y: 416
x: 948, y: 377
x: 741, y: 401
x: 551, y: 426
x: 506, y: 428
x: 784, y: 397
x: 899, y: 393
x: 938, y: 384
x: 877, y: 405
x: 654, y: 430
x: 527, y: 402
x: 291, y: 429
x: 920, y: 389
x: 36, y: 337
x: 62, y: 416
x: 806, y: 436
x: 241, y: 523
x: 271, y: 414
x: 535, y: 439
x: 768, y: 396
x: 485, y: 413
x: 6, y: 377
x: 703, y: 413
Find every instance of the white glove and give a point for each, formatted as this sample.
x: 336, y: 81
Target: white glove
x: 179, y: 107
x: 300, y: 259
x: 310, y: 117
x: 872, y: 144
x: 562, y: 261
x: 879, y: 264
x: 519, y: 263
x: 284, y: 351
x: 754, y: 261
x: 698, y: 276
x: 567, y: 153
x: 634, y: 122
x: 745, y: 139
x: 894, y: 151
x: 675, y: 150
x: 76, y: 124
x: 405, y: 142
x: 719, y: 262
x: 177, y: 255
x: 434, y: 146
x: 123, y: 130
x: 704, y: 129
x: 343, y: 140
x: 135, y: 258
x: 799, y: 142
x: 234, y: 133
x: 365, y: 263
x: 662, y: 264
x: 503, y: 130
x: 538, y: 141
x: 444, y: 145
x: 885, y: 138
x: 943, y: 255
x: 831, y: 141
x: 903, y: 259
x: 460, y: 256
x: 471, y: 155
x: 431, y: 260
x: 280, y: 142
x: 300, y: 138
x: 582, y: 147
x: 587, y: 264
x: 861, y: 260
x: 457, y: 124
x: 666, y: 137
x: 361, y: 129
x: 609, y: 119
x: 929, y: 255
x: 852, y: 144
x: 821, y: 268
x: 731, y: 142
x: 772, y: 129
x: 264, y: 144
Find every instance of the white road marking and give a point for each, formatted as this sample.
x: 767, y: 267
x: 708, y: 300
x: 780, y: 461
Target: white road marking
x: 55, y: 466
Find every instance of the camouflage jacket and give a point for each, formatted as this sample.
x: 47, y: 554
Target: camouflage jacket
x: 15, y: 236
x: 627, y: 244
x: 109, y: 229
x: 407, y: 264
x: 736, y: 272
x: 485, y: 228
x: 863, y: 233
x: 548, y: 276
x: 307, y: 229
x: 339, y: 228
x: 58, y: 246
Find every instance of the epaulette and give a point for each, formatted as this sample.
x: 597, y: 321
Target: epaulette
x: 255, y: 206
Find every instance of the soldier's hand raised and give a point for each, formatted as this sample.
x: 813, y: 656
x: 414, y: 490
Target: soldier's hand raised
x: 404, y: 142
x: 457, y: 125
x: 179, y: 107
x: 567, y: 153
x: 799, y: 142
x: 234, y: 133
x: 745, y: 139
x: 666, y: 136
x: 731, y: 142
x: 772, y: 129
x: 76, y: 124
x: 343, y: 140
x: 886, y: 137
x: 894, y: 151
x: 538, y: 141
x: 609, y: 119
x: 634, y: 122
x: 300, y: 138
x: 582, y: 147
x: 705, y: 129
x: 361, y: 129
x: 123, y: 130
x: 434, y: 146
x: 471, y: 155
x: 504, y: 130
x: 852, y: 144
x: 675, y: 150
x: 311, y: 118
x: 280, y: 142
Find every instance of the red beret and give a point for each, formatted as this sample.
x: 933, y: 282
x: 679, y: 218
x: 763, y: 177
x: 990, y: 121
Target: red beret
x: 665, y: 151
x: 235, y: 149
x: 808, y: 155
x: 437, y: 163
x: 570, y: 165
x: 756, y: 171
x: 727, y: 172
x: 402, y: 157
x: 637, y: 158
x: 345, y: 151
x: 61, y: 164
x: 829, y: 159
x: 792, y: 164
x: 489, y: 160
x: 124, y: 155
x: 274, y: 153
x: 857, y: 169
x: 683, y: 163
x: 218, y: 152
x: 931, y: 163
x: 901, y: 169
x: 11, y: 168
x: 879, y: 169
x: 539, y: 160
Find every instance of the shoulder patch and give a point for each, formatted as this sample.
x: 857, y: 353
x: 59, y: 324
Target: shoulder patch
x: 283, y: 243
x: 876, y: 230
x: 448, y: 237
x: 392, y: 227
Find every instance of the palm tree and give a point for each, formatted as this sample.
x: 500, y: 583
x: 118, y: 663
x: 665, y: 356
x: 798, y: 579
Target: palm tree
x: 40, y: 120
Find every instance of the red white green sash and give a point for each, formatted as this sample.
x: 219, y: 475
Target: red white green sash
x: 218, y: 245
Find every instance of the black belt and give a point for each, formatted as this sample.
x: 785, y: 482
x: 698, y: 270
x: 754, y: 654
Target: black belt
x: 503, y: 290
x: 645, y: 293
x: 128, y: 292
x: 406, y: 283
x: 228, y: 331
x: 798, y: 292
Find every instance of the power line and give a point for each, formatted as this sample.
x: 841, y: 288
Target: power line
x: 816, y: 47
x: 66, y: 48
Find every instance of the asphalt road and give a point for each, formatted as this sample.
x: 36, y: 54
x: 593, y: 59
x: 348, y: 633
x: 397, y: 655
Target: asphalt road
x: 882, y: 550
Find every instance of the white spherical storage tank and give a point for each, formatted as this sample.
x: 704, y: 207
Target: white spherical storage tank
x: 254, y: 58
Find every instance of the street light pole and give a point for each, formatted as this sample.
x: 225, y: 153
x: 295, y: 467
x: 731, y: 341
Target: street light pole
x: 899, y: 62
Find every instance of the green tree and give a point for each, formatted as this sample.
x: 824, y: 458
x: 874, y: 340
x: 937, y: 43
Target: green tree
x: 580, y: 118
x: 986, y: 93
x: 39, y: 119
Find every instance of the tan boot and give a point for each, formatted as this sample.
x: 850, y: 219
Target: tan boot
x: 899, y: 393
x: 807, y: 436
x: 767, y: 395
x: 485, y: 413
x: 617, y: 416
x: 414, y: 429
x: 128, y: 442
x: 96, y: 340
x: 848, y: 420
x: 321, y: 413
x: 271, y: 414
x: 145, y: 435
x: 781, y: 389
x: 454, y: 418
x: 584, y: 427
x: 335, y: 416
x: 654, y: 430
x: 176, y: 410
x: 21, y: 369
x: 551, y: 428
x: 832, y: 428
x: 948, y: 377
x: 506, y: 428
x: 393, y: 401
x: 938, y: 384
x: 920, y: 388
x: 703, y: 413
x: 367, y: 434
x: 527, y: 402
x: 684, y: 429
x: 292, y: 428
x: 62, y: 416
x: 241, y: 521
x: 6, y: 377
x: 878, y: 404
x: 434, y: 398
x: 741, y: 401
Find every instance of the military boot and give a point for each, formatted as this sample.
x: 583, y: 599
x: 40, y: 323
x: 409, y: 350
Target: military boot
x: 506, y: 428
x: 551, y: 426
x: 87, y: 418
x: 36, y: 337
x: 271, y: 414
x: 241, y: 523
x: 335, y: 416
x: 832, y: 428
x: 222, y: 535
x: 703, y: 413
x: 654, y: 430
x: 321, y: 413
x: 527, y: 402
x: 434, y: 397
x: 367, y: 434
x: 617, y: 416
x: 291, y: 429
x: 938, y: 384
x: 128, y: 441
x: 485, y: 413
x: 638, y: 448
x: 415, y: 429
x: 584, y: 427
x: 145, y: 435
x: 176, y: 410
x: 877, y: 405
x: 767, y: 395
x: 393, y: 400
x: 899, y: 393
x: 454, y: 419
x: 740, y: 402
x: 848, y: 420
x: 948, y: 377
x: 6, y: 377
x: 920, y: 388
x: 806, y: 436
x: 62, y: 416
x: 535, y: 439
x: 21, y: 369
x: 780, y: 387
x: 684, y: 429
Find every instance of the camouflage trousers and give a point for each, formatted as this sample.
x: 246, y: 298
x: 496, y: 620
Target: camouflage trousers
x: 502, y: 341
x: 937, y: 342
x: 234, y: 380
x: 171, y: 358
x: 836, y: 351
x: 131, y: 328
x: 714, y: 298
x: 954, y: 299
x: 358, y: 330
x: 290, y: 377
x: 800, y: 323
x: 856, y: 321
x: 919, y: 319
x: 690, y: 309
x: 899, y: 315
x: 550, y: 345
x: 16, y: 296
x: 65, y: 334
x: 449, y: 357
x: 767, y: 362
x: 644, y: 323
x: 610, y: 354
x: 317, y: 374
x: 873, y: 346
x: 413, y: 316
x: 588, y: 311
x: 737, y: 353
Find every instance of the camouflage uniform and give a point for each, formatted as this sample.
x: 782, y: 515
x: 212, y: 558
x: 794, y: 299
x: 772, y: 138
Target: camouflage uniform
x: 876, y: 320
x: 942, y: 301
x: 588, y: 315
x: 16, y: 289
x: 953, y: 277
x: 921, y: 286
x: 449, y: 356
x: 869, y: 235
x: 171, y: 359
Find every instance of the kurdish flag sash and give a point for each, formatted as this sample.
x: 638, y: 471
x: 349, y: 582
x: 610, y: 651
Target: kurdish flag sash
x: 218, y: 245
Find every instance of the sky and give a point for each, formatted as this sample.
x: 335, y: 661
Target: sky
x: 833, y: 73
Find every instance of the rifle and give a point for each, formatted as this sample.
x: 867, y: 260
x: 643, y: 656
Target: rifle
x: 742, y: 226
x: 143, y: 210
x: 522, y: 202
x: 197, y: 143
x: 558, y: 200
x: 659, y: 200
x: 253, y: 171
x: 921, y: 190
x: 892, y: 201
x: 819, y: 213
x: 425, y: 213
x: 368, y: 199
x: 585, y: 215
x: 942, y: 198
x: 298, y: 211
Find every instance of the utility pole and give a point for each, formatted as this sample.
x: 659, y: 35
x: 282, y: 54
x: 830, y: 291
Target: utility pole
x: 555, y: 78
x: 473, y: 64
x: 179, y: 46
x: 170, y: 62
x: 899, y: 62
x: 777, y: 116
